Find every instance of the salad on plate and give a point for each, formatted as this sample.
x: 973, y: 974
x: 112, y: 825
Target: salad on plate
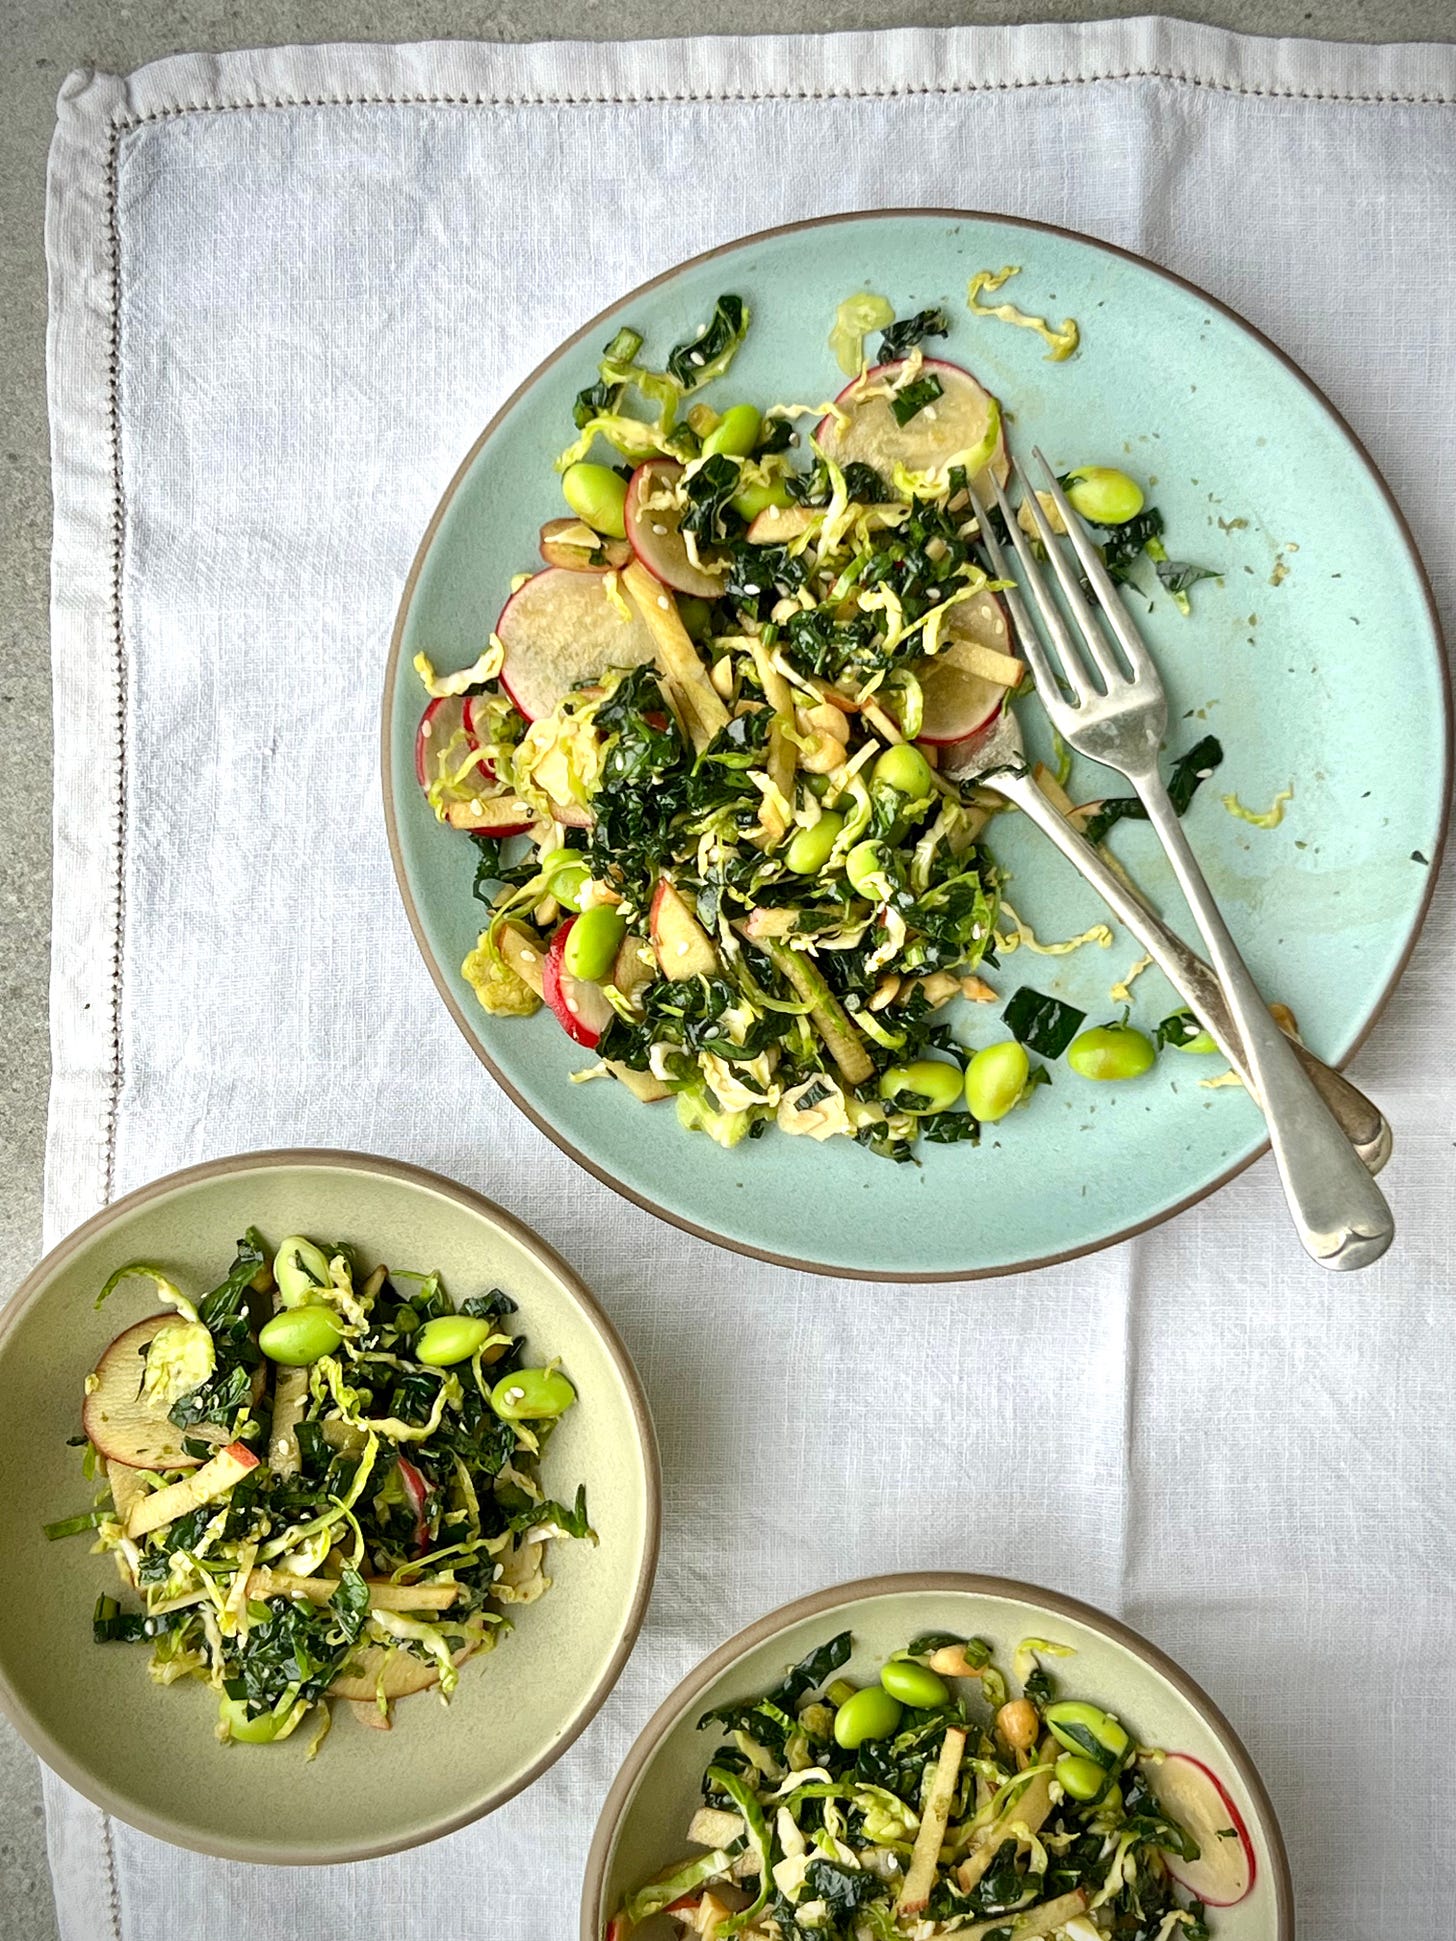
x: 318, y: 1483
x: 701, y: 755
x: 938, y: 1801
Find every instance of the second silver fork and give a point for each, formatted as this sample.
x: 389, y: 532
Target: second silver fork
x: 1118, y: 716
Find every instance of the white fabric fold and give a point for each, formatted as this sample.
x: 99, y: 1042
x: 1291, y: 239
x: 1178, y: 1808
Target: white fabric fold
x: 287, y: 287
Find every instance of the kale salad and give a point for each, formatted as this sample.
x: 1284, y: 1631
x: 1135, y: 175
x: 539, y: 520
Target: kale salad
x: 701, y: 755
x: 320, y: 1483
x: 945, y: 1797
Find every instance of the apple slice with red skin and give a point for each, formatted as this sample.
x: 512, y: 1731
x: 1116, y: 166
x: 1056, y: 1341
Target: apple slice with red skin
x: 654, y: 536
x: 684, y: 948
x: 559, y: 632
x: 954, y: 422
x: 1193, y: 1795
x: 959, y: 704
x: 214, y: 1479
x: 581, y: 1007
x: 490, y: 815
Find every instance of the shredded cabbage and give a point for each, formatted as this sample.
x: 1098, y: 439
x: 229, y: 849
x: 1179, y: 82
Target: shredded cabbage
x: 1060, y: 343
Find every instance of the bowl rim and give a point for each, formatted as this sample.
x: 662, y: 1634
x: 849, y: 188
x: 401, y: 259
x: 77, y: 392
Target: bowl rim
x: 31, y: 1291
x: 562, y: 1140
x: 594, y: 1914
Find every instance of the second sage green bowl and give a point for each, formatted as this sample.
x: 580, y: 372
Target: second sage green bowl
x: 148, y: 1754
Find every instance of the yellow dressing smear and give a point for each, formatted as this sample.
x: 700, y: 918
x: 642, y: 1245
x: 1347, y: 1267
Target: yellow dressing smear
x: 1060, y: 343
x: 1011, y: 940
x: 1121, y: 992
x: 1269, y: 818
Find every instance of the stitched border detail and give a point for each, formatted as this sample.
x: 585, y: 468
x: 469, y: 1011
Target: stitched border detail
x: 113, y: 1883
x: 118, y: 654
x: 690, y: 96
x: 124, y: 123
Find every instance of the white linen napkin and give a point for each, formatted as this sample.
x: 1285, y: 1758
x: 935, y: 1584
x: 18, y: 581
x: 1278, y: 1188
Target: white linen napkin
x: 287, y: 289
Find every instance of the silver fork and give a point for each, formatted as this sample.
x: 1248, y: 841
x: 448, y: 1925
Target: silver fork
x: 1118, y: 716
x: 998, y: 761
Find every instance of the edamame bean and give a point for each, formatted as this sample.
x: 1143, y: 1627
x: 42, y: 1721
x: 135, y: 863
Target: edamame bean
x: 567, y: 884
x: 300, y: 1269
x: 870, y: 1714
x: 753, y: 499
x: 450, y: 1338
x: 297, y: 1336
x: 995, y: 1080
x: 1081, y: 1778
x: 532, y: 1395
x: 865, y: 868
x: 1087, y: 1730
x: 735, y: 434
x: 1105, y: 496
x: 593, y: 941
x: 598, y: 495
x: 914, y: 1684
x: 1195, y: 1038
x: 809, y: 851
x: 904, y: 768
x: 1111, y: 1051
x: 261, y: 1731
x: 932, y: 1084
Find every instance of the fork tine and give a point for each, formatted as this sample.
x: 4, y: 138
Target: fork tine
x: 1116, y: 613
x: 1097, y: 644
x: 1030, y: 575
x: 1027, y: 637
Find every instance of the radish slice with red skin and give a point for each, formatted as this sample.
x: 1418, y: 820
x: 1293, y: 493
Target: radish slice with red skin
x: 581, y: 1008
x: 954, y: 422
x: 441, y: 721
x: 957, y: 704
x: 1190, y: 1793
x: 654, y: 536
x: 560, y: 631
x: 474, y: 735
x: 418, y: 1491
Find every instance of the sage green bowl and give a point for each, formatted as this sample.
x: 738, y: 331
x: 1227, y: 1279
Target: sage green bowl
x: 642, y: 1827
x: 148, y: 1754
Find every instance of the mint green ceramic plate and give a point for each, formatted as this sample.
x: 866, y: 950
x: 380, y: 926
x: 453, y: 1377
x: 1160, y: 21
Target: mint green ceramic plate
x: 641, y: 1830
x: 147, y: 1753
x: 1316, y: 660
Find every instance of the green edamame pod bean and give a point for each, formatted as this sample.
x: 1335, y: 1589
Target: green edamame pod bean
x: 927, y: 1085
x: 593, y: 941
x: 914, y: 1684
x: 1194, y: 1037
x: 261, y: 1731
x: 865, y: 868
x: 904, y: 768
x: 1088, y: 1730
x: 870, y: 1714
x: 298, y: 1336
x: 567, y: 884
x: 754, y: 499
x: 450, y: 1338
x: 598, y: 495
x: 735, y: 434
x: 532, y: 1395
x: 809, y: 851
x: 1081, y: 1778
x: 1103, y: 495
x: 995, y: 1080
x: 1110, y: 1052
x: 300, y: 1269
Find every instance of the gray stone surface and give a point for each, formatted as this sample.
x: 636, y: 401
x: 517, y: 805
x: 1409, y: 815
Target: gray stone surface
x: 40, y: 40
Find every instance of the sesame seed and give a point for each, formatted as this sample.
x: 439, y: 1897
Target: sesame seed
x: 659, y: 530
x: 696, y: 357
x: 427, y: 728
x: 573, y: 1007
x: 682, y: 949
x: 528, y: 956
x: 793, y: 438
x: 753, y: 589
x: 663, y: 601
x: 928, y: 412
x: 477, y: 807
x: 497, y: 1574
x: 515, y: 1394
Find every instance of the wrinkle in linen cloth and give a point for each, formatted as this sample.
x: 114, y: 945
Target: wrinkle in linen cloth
x: 309, y: 276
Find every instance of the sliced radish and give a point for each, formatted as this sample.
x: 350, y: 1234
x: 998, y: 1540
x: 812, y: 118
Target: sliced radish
x: 417, y: 1490
x: 954, y: 422
x: 559, y: 632
x: 581, y: 1007
x: 441, y: 721
x: 654, y: 534
x: 957, y: 703
x: 1197, y: 1799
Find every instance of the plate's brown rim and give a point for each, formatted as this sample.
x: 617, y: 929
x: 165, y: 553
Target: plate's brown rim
x: 863, y: 1590
x: 570, y: 343
x: 280, y: 1853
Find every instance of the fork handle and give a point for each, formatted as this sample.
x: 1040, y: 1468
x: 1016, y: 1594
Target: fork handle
x: 1361, y: 1121
x: 1340, y: 1213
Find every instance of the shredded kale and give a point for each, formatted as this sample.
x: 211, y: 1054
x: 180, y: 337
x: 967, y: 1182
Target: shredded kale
x: 1043, y: 1024
x: 710, y: 516
x: 1188, y: 774
x: 903, y: 336
x: 912, y: 400
x: 709, y: 354
x: 807, y: 1676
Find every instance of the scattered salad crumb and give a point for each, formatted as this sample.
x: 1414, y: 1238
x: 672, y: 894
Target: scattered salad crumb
x: 1060, y: 343
x: 1269, y: 818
